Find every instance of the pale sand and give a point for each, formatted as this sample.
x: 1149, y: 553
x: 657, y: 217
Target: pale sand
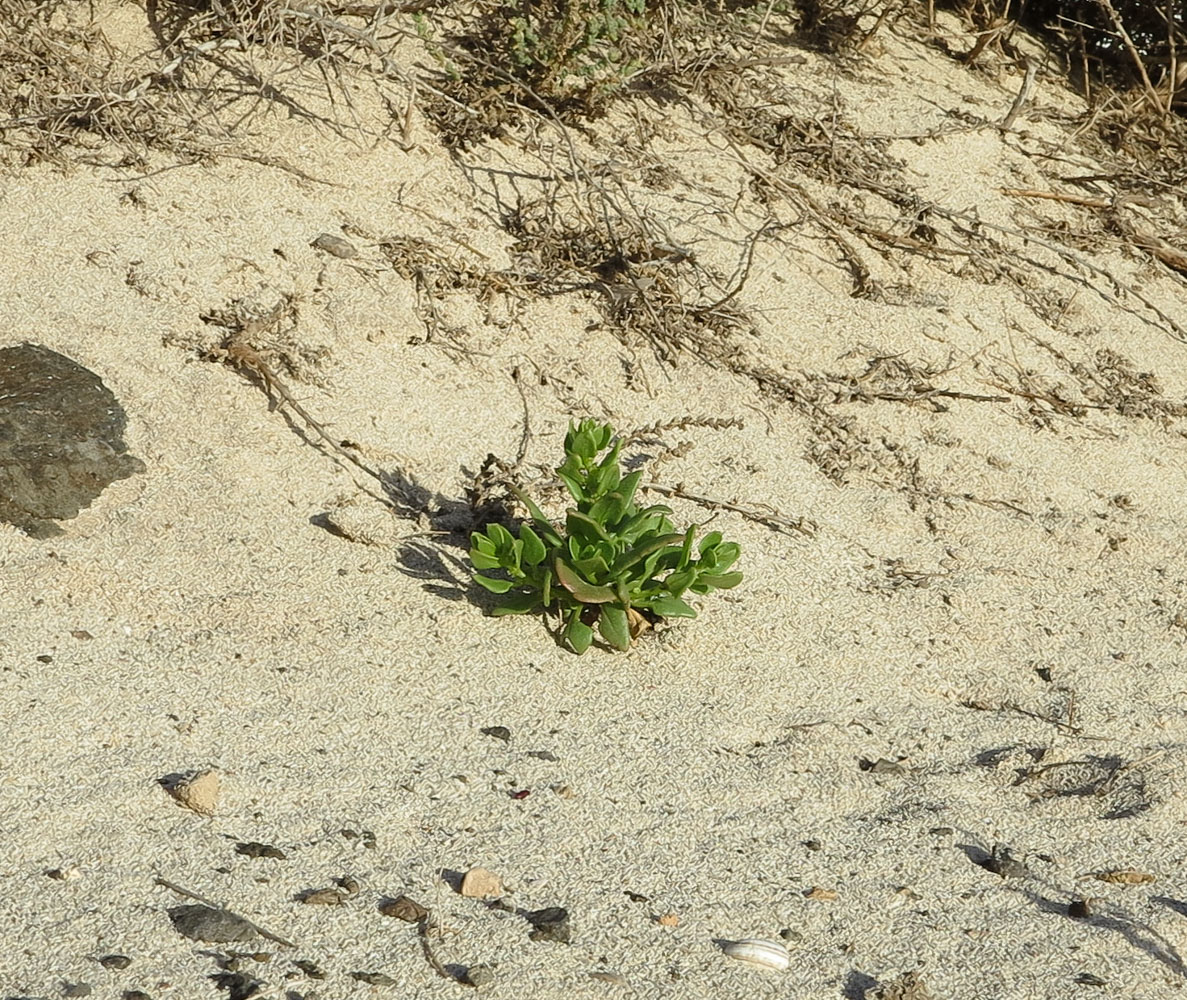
x: 344, y: 685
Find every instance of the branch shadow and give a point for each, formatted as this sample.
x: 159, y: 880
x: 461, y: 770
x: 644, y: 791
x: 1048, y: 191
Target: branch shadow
x: 1112, y: 918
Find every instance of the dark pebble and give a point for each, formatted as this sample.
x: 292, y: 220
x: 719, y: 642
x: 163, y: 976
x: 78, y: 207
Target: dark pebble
x: 117, y: 962
x: 1088, y: 979
x: 550, y: 924
x: 480, y: 975
x: 498, y: 732
x: 254, y: 849
x: 881, y: 766
x: 321, y: 897
x: 238, y: 985
x: 1002, y: 863
x: 135, y: 995
x: 77, y: 990
x: 403, y: 908
x: 206, y: 923
x: 544, y: 755
x: 311, y: 969
x: 373, y: 978
x: 1079, y: 908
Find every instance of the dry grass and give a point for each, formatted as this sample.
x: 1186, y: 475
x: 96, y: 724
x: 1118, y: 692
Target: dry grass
x: 191, y: 78
x: 194, y: 77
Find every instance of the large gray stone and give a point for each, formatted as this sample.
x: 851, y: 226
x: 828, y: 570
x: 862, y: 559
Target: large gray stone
x: 61, y: 439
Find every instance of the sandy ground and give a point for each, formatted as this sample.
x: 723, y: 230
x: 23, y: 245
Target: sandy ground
x: 994, y: 600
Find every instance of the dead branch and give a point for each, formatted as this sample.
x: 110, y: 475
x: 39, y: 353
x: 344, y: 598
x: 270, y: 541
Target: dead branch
x: 773, y: 520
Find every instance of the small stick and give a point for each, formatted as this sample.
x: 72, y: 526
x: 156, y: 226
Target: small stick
x: 245, y: 357
x: 1028, y: 81
x: 215, y: 906
x: 773, y: 521
x: 1151, y: 94
x: 1071, y: 199
x: 423, y: 926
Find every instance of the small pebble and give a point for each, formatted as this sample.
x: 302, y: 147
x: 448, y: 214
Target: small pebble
x: 882, y: 766
x: 1002, y: 863
x: 403, y: 908
x: 135, y: 995
x: 791, y: 935
x: 479, y: 883
x: 117, y: 962
x: 237, y: 985
x: 254, y: 849
x: 311, y: 969
x: 550, y: 923
x: 322, y: 897
x: 820, y: 894
x: 613, y: 978
x: 480, y: 975
x: 64, y: 874
x: 77, y: 990
x: 373, y: 978
x: 335, y: 245
x: 1088, y: 979
x: 207, y: 923
x: 544, y: 755
x: 668, y: 919
x: 198, y: 793
x: 498, y: 732
x: 1080, y: 909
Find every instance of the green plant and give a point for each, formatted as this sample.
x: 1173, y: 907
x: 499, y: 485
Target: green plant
x: 612, y: 562
x: 552, y: 41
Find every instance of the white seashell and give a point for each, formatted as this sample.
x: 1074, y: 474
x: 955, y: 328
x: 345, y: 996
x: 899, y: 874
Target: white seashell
x: 769, y: 954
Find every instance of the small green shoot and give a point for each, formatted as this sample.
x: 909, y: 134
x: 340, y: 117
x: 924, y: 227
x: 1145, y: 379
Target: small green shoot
x: 611, y: 561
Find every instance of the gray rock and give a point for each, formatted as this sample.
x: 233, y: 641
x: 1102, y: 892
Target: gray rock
x: 373, y: 978
x: 549, y: 924
x: 480, y: 975
x: 335, y: 245
x: 61, y: 439
x: 206, y: 923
